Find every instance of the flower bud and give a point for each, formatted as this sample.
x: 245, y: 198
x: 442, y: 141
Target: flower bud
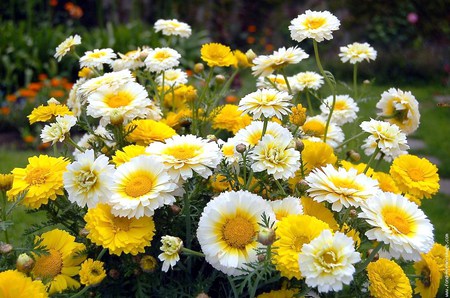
x: 375, y: 258
x: 148, y: 264
x: 220, y: 79
x: 6, y: 181
x: 353, y: 213
x: 114, y: 273
x: 250, y: 55
x: 24, y: 263
x: 199, y: 67
x: 303, y: 184
x: 366, y: 82
x: 353, y: 155
x: 299, y: 145
x: 5, y: 248
x: 116, y: 119
x: 83, y: 233
x: 202, y: 295
x: 261, y: 257
x: 240, y: 148
x: 175, y: 209
x: 211, y: 138
x: 266, y: 236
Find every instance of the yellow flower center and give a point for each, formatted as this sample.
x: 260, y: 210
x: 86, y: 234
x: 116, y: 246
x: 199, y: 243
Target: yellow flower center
x: 139, y: 185
x: 314, y: 23
x: 37, y: 176
x: 328, y: 260
x: 298, y: 242
x: 390, y: 282
x: 397, y: 221
x: 161, y: 55
x: 416, y: 174
x: 184, y: 151
x: 238, y: 232
x: 96, y: 55
x: 121, y: 99
x: 48, y: 265
x: 121, y: 224
x: 254, y: 138
x: 340, y: 105
x: 314, y: 128
x: 343, y: 182
x: 87, y: 179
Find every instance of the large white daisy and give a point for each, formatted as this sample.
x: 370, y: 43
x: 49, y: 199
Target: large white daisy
x: 266, y: 65
x: 111, y: 80
x: 161, y: 59
x: 88, y: 179
x: 141, y: 186
x: 345, y: 109
x: 228, y: 227
x: 327, y: 261
x: 97, y: 58
x: 314, y: 129
x: 173, y: 27
x: 340, y: 187
x: 357, y: 52
x: 184, y: 155
x: 400, y: 223
x: 251, y: 134
x: 267, y: 102
x: 318, y: 25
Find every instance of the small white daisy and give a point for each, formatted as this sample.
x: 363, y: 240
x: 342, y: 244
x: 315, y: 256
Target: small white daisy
x: 286, y: 206
x: 265, y: 65
x: 161, y: 59
x: 307, y: 79
x: 173, y: 27
x: 57, y: 131
x: 63, y: 48
x: 251, y: 134
x: 357, y: 52
x: 171, y: 247
x: 267, y: 102
x: 97, y: 58
x: 318, y: 25
x: 172, y: 78
x: 345, y: 109
x: 314, y: 129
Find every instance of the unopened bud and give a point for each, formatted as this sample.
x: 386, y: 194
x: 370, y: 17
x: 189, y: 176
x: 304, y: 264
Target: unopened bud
x: 240, y: 148
x: 250, y: 55
x: 148, y: 264
x: 83, y: 232
x: 299, y: 145
x: 366, y: 82
x: 5, y: 248
x: 185, y: 123
x: 199, y: 67
x: 53, y: 101
x: 202, y: 295
x: 303, y: 184
x: 375, y: 258
x: 211, y: 138
x: 353, y: 155
x: 220, y: 79
x: 175, y: 209
x: 261, y: 258
x: 114, y: 273
x: 353, y: 213
x: 116, y: 119
x: 266, y: 236
x: 24, y: 263
x: 291, y: 145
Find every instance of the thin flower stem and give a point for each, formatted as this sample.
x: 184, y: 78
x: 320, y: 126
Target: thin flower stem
x: 266, y: 120
x: 369, y: 258
x: 355, y: 81
x: 286, y: 80
x: 350, y: 139
x: 249, y: 180
x: 375, y: 153
x: 308, y: 98
x: 69, y: 139
x: 192, y: 252
x: 280, y: 187
x: 80, y: 293
x: 4, y: 214
x: 100, y: 255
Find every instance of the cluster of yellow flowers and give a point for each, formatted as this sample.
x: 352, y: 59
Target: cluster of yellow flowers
x: 166, y: 170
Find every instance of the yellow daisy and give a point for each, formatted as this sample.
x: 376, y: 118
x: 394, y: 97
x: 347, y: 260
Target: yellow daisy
x: 175, y: 120
x: 360, y: 167
x: 119, y: 234
x: 241, y: 60
x: 228, y: 227
x: 179, y: 97
x: 6, y: 181
x: 385, y: 182
x: 293, y: 231
x: 283, y: 293
x: 286, y: 206
x: 319, y: 211
x: 92, y: 272
x: 430, y: 277
x: 228, y: 117
x: 316, y: 155
x: 127, y: 153
x: 298, y: 116
x: 14, y: 284
x: 416, y: 176
x: 216, y: 54
x: 387, y: 279
x: 61, y: 264
x: 147, y: 131
x: 45, y: 113
x: 441, y: 255
x: 42, y: 178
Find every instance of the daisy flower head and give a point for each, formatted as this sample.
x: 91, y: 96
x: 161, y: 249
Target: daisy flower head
x: 344, y: 111
x: 61, y: 263
x: 298, y: 115
x: 228, y: 227
x: 387, y: 279
x: 272, y: 81
x: 400, y: 223
x: 57, y: 131
x: 171, y: 247
x: 110, y: 80
x: 118, y: 234
x: 357, y: 52
x: 128, y: 102
x: 97, y: 57
x: 319, y: 211
x: 314, y: 128
x: 161, y: 59
x: 172, y: 78
x: 45, y: 113
x: 318, y: 25
x: 88, y: 179
x: 141, y: 186
x: 230, y: 118
x: 283, y: 293
x: 42, y: 178
x: 430, y: 277
x: 316, y: 155
x: 173, y: 27
x: 16, y: 284
x: 274, y: 156
x: 400, y: 108
x: 92, y: 273
x: 385, y: 136
x: 131, y: 60
x: 265, y: 65
x: 293, y: 231
x: 441, y: 254
x: 306, y: 80
x: 340, y: 187
x: 147, y: 131
x: 184, y: 155
x: 216, y: 54
x: 286, y: 206
x: 414, y: 175
x: 251, y: 134
x: 327, y: 261
x: 66, y: 46
x: 127, y: 153
x: 267, y: 102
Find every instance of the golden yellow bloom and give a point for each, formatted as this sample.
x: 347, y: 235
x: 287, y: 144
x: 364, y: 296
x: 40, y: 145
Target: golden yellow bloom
x: 316, y: 155
x: 440, y: 254
x: 148, y: 131
x: 283, y: 293
x: 45, y: 113
x: 92, y: 272
x: 298, y: 116
x: 61, y: 264
x: 228, y: 117
x: 416, y: 176
x: 42, y: 178
x: 85, y: 72
x: 216, y: 54
x: 319, y: 211
x: 358, y: 167
x: 385, y: 182
x: 387, y: 279
x: 175, y: 120
x: 6, y: 181
x: 148, y: 263
x: 352, y: 233
x: 219, y: 183
x: 430, y: 277
x: 127, y: 153
x: 119, y: 234
x: 180, y: 96
x: 293, y: 231
x: 14, y: 284
x: 241, y: 60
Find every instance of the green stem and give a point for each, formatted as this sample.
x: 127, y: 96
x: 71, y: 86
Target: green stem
x: 192, y: 252
x: 69, y: 139
x: 249, y: 180
x: 4, y: 214
x: 375, y: 153
x: 266, y: 121
x: 308, y: 98
x: 280, y: 187
x: 369, y: 258
x: 350, y: 139
x: 100, y: 255
x: 80, y: 293
x: 286, y: 80
x: 355, y: 81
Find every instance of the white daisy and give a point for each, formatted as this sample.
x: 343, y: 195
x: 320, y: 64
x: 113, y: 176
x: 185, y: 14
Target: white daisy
x: 265, y: 65
x: 345, y: 109
x: 307, y: 79
x: 173, y: 27
x: 130, y: 60
x: 63, y: 48
x: 130, y: 101
x: 111, y: 80
x: 184, y: 155
x: 229, y: 152
x: 141, y: 186
x: 400, y: 223
x: 272, y: 81
x: 400, y: 108
x: 228, y: 227
x: 286, y: 206
x: 57, y: 131
x: 274, y: 156
x: 171, y: 247
x: 327, y: 261
x: 74, y: 101
x: 251, y: 134
x: 172, y: 78
x: 340, y: 187
x: 357, y: 52
x: 318, y: 25
x: 314, y: 129
x: 267, y: 102
x: 88, y: 179
x: 97, y: 58
x: 161, y: 59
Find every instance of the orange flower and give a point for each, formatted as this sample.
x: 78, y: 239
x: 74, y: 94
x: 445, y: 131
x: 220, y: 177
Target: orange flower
x: 43, y: 146
x: 28, y: 139
x: 231, y: 99
x: 11, y: 97
x: 68, y: 86
x: 57, y: 93
x: 251, y: 40
x: 189, y: 72
x: 55, y: 82
x: 36, y: 86
x: 27, y: 93
x: 269, y: 47
x: 5, y: 110
x: 42, y: 77
x: 53, y: 3
x: 251, y: 28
